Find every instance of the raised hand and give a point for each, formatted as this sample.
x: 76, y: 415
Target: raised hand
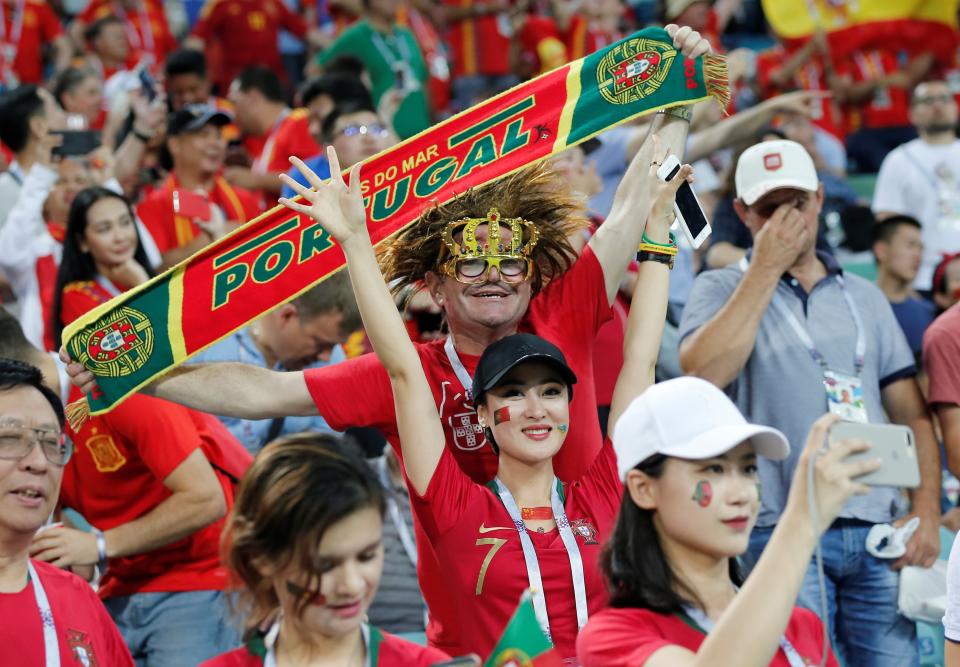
x: 688, y: 40
x: 663, y: 193
x: 332, y: 203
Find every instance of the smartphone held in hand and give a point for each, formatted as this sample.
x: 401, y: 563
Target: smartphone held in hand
x: 690, y: 215
x: 891, y: 443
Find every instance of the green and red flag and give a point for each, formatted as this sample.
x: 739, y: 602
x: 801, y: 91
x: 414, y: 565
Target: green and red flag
x: 523, y: 642
x: 143, y: 333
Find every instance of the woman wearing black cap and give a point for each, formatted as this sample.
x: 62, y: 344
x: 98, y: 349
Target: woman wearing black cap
x: 525, y: 529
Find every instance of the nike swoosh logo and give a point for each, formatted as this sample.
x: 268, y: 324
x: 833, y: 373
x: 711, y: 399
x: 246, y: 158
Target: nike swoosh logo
x: 484, y: 529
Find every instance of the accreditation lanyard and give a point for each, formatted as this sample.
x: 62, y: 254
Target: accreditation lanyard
x: 705, y: 624
x: 859, y: 354
x: 458, y: 368
x: 406, y: 539
x: 533, y: 564
x: 51, y: 647
x: 12, y: 45
x: 270, y: 641
x: 387, y: 53
x: 261, y: 164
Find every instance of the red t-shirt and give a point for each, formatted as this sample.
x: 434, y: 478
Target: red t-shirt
x: 478, y: 45
x: 628, y: 637
x: 171, y: 231
x: 809, y: 77
x: 82, y: 296
x: 39, y: 25
x: 291, y: 136
x: 582, y: 39
x: 479, y: 552
x: 889, y: 106
x: 148, y: 32
x: 246, y: 32
x: 85, y: 632
x: 542, y: 49
x: 356, y: 392
x: 941, y: 354
x: 116, y: 475
x: 391, y: 652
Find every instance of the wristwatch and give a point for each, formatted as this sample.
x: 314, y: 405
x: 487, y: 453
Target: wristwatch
x: 681, y: 111
x: 663, y: 258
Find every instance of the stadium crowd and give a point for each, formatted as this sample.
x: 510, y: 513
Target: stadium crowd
x: 538, y: 386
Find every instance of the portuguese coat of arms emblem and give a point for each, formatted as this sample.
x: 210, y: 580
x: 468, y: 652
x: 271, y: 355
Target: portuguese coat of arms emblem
x: 634, y: 69
x: 118, y: 345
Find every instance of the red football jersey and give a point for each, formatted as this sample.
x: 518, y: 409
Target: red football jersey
x: 628, y: 637
x: 148, y: 32
x: 37, y: 25
x: 116, y: 475
x: 480, y: 559
x: 479, y: 45
x: 85, y: 632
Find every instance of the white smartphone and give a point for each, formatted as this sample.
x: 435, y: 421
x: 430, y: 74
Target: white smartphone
x: 690, y: 215
x: 892, y: 443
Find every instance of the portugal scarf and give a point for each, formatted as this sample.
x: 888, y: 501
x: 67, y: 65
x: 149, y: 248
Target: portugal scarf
x: 145, y: 332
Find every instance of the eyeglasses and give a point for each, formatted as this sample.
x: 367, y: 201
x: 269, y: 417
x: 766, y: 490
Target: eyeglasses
x: 475, y: 270
x: 17, y: 440
x: 930, y: 99
x: 376, y: 130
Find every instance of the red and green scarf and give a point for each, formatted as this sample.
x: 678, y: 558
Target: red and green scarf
x: 145, y: 332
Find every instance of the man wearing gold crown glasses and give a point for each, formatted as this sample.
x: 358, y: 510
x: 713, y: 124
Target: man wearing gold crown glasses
x: 529, y: 280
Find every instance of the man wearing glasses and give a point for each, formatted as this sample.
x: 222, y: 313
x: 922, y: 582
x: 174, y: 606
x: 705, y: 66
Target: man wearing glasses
x: 921, y: 178
x: 50, y: 616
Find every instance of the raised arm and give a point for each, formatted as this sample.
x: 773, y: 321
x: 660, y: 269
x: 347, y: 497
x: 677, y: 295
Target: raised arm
x: 616, y: 242
x: 648, y: 308
x: 339, y: 209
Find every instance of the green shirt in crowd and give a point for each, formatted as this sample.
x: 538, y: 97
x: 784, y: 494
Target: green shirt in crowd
x: 382, y: 55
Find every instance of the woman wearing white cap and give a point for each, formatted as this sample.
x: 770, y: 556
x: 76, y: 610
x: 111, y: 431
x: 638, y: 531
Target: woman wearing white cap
x: 688, y: 461
x: 525, y: 529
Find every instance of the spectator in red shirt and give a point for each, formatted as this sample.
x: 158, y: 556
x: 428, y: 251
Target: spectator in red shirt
x: 272, y: 131
x: 941, y: 353
x: 479, y: 37
x: 305, y: 539
x: 80, y: 93
x: 688, y: 461
x: 246, y: 32
x: 197, y: 147
x: 874, y: 90
x: 522, y: 388
x: 144, y: 24
x: 42, y: 606
x: 107, y: 50
x: 27, y: 27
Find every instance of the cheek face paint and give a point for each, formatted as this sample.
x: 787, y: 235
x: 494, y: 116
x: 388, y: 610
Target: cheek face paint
x: 562, y: 428
x: 501, y: 415
x: 703, y: 494
x: 306, y: 595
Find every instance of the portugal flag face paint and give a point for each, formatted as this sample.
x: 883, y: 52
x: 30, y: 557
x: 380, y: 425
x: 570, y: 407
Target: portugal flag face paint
x: 703, y: 494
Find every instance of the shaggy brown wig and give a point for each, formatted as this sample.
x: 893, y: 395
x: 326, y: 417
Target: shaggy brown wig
x: 536, y: 193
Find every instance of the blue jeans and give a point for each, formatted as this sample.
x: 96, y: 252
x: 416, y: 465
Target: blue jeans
x: 865, y: 627
x: 174, y: 629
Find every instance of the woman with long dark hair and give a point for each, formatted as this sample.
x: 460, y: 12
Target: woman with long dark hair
x: 304, y: 550
x: 688, y: 460
x: 525, y: 529
x: 102, y: 256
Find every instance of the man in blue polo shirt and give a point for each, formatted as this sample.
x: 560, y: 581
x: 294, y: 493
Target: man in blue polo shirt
x: 789, y: 335
x: 304, y: 333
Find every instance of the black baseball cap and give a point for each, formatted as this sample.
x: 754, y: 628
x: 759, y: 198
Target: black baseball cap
x: 193, y: 117
x: 505, y: 354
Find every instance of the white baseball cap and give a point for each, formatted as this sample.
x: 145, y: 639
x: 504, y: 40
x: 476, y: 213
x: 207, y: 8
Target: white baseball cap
x: 771, y: 165
x: 687, y: 418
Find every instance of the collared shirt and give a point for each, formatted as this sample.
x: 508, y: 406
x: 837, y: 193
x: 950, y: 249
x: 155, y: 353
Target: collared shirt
x: 251, y: 433
x: 781, y: 386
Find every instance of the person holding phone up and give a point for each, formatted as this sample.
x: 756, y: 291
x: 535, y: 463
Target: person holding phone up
x: 789, y: 335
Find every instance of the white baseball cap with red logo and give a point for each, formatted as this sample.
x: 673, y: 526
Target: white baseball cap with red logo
x: 771, y: 165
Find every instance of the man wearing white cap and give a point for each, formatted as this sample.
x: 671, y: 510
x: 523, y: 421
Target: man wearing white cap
x: 788, y: 334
